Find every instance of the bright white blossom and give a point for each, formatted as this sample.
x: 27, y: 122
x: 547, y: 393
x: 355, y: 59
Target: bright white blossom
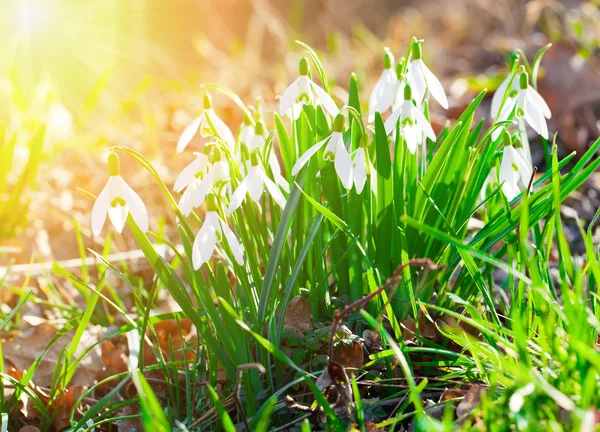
x: 515, y: 173
x: 528, y: 104
x: 302, y: 91
x: 413, y: 123
x: 254, y: 184
x: 421, y: 79
x: 258, y: 143
x: 117, y: 200
x: 212, y: 232
x: 335, y: 152
x: 361, y: 167
x: 382, y: 96
x: 199, y: 177
x: 205, y: 123
x: 501, y: 91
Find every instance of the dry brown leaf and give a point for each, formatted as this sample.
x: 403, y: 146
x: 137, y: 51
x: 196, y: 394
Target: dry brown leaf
x: 349, y: 356
x: 29, y: 429
x: 372, y: 340
x: 298, y: 315
x: 23, y: 350
x: 470, y: 402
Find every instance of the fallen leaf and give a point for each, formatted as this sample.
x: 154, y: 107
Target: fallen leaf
x: 470, y: 402
x: 298, y: 315
x: 349, y: 356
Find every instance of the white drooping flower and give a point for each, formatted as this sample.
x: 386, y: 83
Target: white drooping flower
x: 361, y: 168
x: 413, y: 123
x: 421, y: 79
x: 335, y: 152
x: 254, y: 184
x: 403, y: 79
x: 303, y: 91
x: 258, y: 143
x: 528, y: 104
x: 205, y: 122
x: 212, y: 232
x: 382, y: 96
x: 199, y: 177
x: 515, y: 173
x: 117, y: 200
x: 501, y: 91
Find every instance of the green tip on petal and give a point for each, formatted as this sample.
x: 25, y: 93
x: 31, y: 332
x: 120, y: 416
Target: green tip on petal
x: 259, y: 129
x: 338, y: 123
x: 506, y: 140
x: 400, y: 69
x: 207, y: 101
x: 217, y: 155
x: 211, y: 202
x: 524, y: 80
x: 517, y: 142
x: 407, y: 92
x: 254, y: 158
x: 388, y: 59
x: 114, y: 167
x: 247, y: 120
x: 303, y: 66
x: 417, y: 51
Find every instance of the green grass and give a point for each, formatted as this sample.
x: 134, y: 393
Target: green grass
x: 530, y: 341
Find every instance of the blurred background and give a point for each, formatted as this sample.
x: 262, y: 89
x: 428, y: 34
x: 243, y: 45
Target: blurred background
x: 77, y: 76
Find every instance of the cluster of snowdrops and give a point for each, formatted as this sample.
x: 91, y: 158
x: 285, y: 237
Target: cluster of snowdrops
x: 234, y: 168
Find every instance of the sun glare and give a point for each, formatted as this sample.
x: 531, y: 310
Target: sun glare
x: 31, y: 15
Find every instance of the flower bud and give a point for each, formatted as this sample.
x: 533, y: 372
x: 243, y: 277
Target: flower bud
x: 388, y: 59
x: 303, y: 66
x: 211, y: 202
x: 259, y: 129
x: 417, y: 51
x: 524, y: 81
x: 506, y: 140
x: 338, y: 123
x: 407, y: 92
x: 400, y: 69
x: 254, y: 158
x: 114, y: 167
x: 207, y: 101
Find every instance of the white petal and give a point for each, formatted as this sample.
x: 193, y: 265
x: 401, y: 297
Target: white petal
x: 422, y: 123
x: 118, y: 216
x: 534, y: 116
x: 435, y: 87
x: 417, y: 81
x: 373, y: 179
x: 525, y: 170
x: 136, y: 207
x: 232, y: 241
x: 289, y: 96
x: 100, y: 209
x: 326, y: 100
x: 540, y: 102
x: 204, y: 244
x: 255, y: 184
x: 306, y: 156
x: 273, y: 190
x: 499, y: 96
x: 188, y: 173
x: 508, y: 174
x: 360, y: 170
x: 410, y: 136
x: 390, y: 123
x: 507, y: 108
x: 382, y: 97
x: 185, y: 203
x: 282, y: 183
x: 343, y: 164
x: 222, y: 130
x: 188, y: 133
x: 199, y: 193
x: 238, y: 196
x: 295, y: 111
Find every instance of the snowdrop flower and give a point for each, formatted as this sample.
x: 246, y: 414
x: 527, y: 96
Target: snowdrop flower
x: 412, y: 122
x: 421, y: 78
x: 403, y: 78
x: 258, y: 144
x: 335, y: 152
x: 515, y: 173
x: 502, y: 89
x: 529, y: 105
x: 302, y: 91
x: 361, y: 167
x: 205, y: 122
x: 382, y: 96
x: 118, y: 200
x: 491, y: 182
x: 212, y: 232
x: 254, y: 184
x: 198, y: 177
